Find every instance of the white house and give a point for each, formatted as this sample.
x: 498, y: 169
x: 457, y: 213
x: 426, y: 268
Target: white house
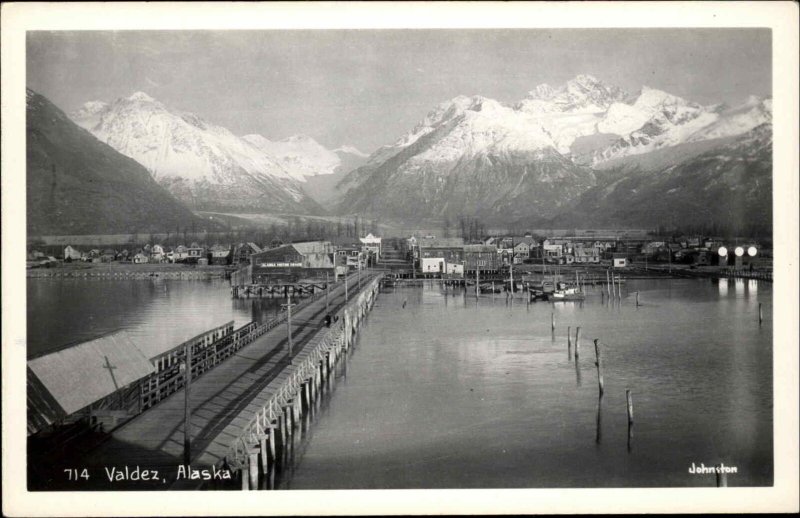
x: 71, y: 253
x: 140, y: 259
x: 432, y: 264
x: 371, y: 244
x: 157, y: 253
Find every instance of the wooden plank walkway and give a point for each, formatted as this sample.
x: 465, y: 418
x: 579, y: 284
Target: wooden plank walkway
x: 154, y: 439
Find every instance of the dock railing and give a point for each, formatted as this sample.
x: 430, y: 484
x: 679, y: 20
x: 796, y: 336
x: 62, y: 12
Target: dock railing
x: 162, y: 384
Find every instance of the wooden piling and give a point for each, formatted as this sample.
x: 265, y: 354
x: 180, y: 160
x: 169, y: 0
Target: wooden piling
x: 599, y: 364
x: 252, y: 469
x: 244, y: 478
x: 272, y: 450
x: 630, y: 417
x: 598, y: 428
x: 577, y: 341
x: 264, y: 451
x: 629, y: 400
x: 637, y: 299
x: 553, y: 321
x: 569, y: 342
x: 760, y: 314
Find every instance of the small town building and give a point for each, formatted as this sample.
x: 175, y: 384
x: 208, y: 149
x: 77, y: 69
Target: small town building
x: 586, y: 255
x: 180, y: 254
x: 620, y: 260
x: 292, y: 263
x: 436, y: 253
x: 156, y: 254
x: 243, y: 251
x: 481, y: 258
x: 194, y: 253
x: 372, y: 245
x: 140, y: 258
x: 73, y: 254
x: 219, y: 254
x: 84, y: 381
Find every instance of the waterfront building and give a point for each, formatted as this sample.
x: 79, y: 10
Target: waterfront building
x: 156, y: 254
x: 620, y: 260
x: 194, y: 253
x: 73, y: 254
x: 140, y: 258
x: 436, y: 253
x: 243, y: 251
x: 87, y: 380
x: 480, y: 258
x: 219, y: 254
x: 292, y: 263
x: 180, y: 254
x: 371, y: 244
x: 584, y: 255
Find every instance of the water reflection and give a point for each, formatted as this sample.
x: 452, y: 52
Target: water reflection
x: 430, y: 383
x: 158, y: 314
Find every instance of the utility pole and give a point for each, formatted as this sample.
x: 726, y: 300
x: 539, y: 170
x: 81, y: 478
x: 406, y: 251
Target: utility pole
x: 187, y: 412
x: 288, y: 307
x: 511, y: 267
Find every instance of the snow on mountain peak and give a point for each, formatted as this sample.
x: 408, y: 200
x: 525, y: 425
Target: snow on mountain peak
x: 141, y: 97
x: 350, y: 150
x: 300, y: 155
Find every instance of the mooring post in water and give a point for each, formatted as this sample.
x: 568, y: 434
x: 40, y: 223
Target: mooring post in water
x: 619, y: 286
x: 569, y: 342
x: 760, y: 314
x: 629, y: 399
x: 598, y: 432
x: 608, y: 285
x: 553, y: 321
x: 637, y: 299
x: 599, y: 364
x: 577, y: 341
x: 327, y: 289
x: 722, y: 477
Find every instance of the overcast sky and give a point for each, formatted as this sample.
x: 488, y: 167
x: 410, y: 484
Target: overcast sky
x: 366, y: 88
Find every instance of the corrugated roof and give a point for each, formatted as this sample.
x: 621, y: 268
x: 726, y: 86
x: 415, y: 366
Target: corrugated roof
x: 442, y: 242
x: 312, y: 247
x: 78, y: 376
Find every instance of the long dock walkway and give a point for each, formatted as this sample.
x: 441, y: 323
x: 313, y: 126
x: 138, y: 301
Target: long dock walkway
x: 154, y: 439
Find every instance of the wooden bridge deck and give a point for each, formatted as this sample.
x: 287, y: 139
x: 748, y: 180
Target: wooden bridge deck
x: 154, y: 439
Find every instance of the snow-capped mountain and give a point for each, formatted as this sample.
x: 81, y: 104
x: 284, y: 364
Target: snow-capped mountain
x: 202, y: 164
x: 476, y: 155
x: 303, y: 157
x: 728, y: 183
x: 79, y: 185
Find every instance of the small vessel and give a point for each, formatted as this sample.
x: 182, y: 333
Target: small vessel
x: 562, y: 294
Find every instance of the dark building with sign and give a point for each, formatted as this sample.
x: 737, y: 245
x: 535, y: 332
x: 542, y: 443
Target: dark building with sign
x: 293, y: 263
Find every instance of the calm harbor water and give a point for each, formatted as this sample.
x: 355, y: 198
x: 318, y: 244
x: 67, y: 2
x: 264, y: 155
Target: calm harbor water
x: 158, y: 314
x: 451, y: 392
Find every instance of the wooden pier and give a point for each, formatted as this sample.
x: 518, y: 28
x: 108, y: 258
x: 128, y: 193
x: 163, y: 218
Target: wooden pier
x: 226, y: 401
x: 277, y: 290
